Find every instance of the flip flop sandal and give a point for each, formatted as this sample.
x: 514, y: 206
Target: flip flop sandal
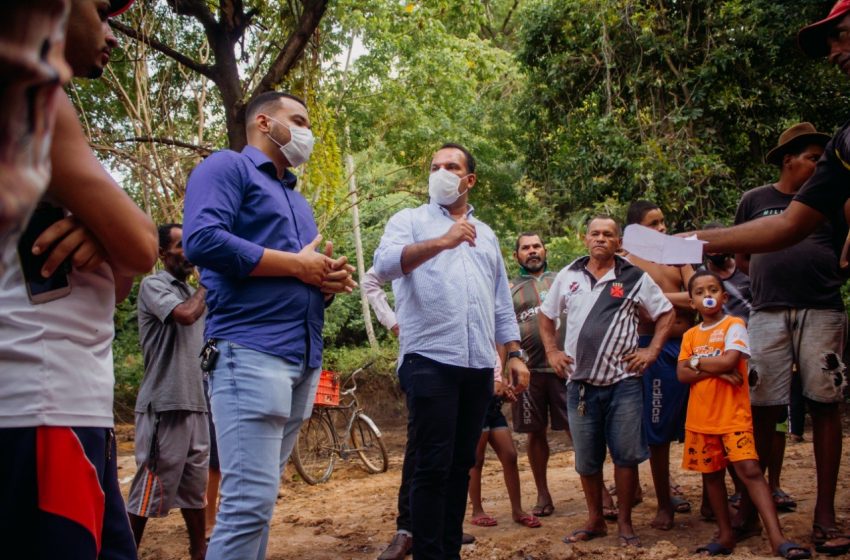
x: 529, y: 521
x: 783, y: 501
x: 543, y: 511
x: 680, y: 505
x: 484, y: 521
x: 714, y: 549
x: 735, y: 500
x: 788, y: 548
x: 588, y: 535
x: 822, y: 535
x: 610, y: 513
x: 632, y: 541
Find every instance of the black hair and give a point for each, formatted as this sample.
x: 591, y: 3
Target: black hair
x: 604, y: 217
x: 700, y: 274
x: 470, y: 161
x: 638, y: 210
x: 261, y: 103
x: 528, y: 234
x: 164, y: 231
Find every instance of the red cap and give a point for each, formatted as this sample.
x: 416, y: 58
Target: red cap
x: 118, y: 7
x: 812, y: 38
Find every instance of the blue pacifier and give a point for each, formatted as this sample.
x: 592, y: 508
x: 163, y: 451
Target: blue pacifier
x: 709, y: 303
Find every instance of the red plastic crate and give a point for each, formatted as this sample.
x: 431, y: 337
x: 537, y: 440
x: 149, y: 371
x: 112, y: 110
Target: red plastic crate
x: 327, y: 393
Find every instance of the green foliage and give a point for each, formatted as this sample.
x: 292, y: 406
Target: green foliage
x: 674, y: 101
x: 127, y: 355
x: 571, y: 107
x: 346, y: 359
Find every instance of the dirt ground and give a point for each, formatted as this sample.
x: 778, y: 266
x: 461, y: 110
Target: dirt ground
x: 353, y: 515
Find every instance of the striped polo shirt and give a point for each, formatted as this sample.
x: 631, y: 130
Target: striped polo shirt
x: 602, y: 316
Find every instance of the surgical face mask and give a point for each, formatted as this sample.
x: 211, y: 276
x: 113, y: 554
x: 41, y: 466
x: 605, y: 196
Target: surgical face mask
x: 444, y: 187
x: 300, y: 145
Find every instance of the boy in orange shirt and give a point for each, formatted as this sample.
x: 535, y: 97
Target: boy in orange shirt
x: 719, y: 425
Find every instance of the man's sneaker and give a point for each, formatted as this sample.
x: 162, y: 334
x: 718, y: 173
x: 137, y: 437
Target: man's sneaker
x: 400, y: 547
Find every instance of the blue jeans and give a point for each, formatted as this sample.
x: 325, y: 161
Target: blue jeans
x: 259, y: 402
x: 613, y: 417
x: 447, y: 406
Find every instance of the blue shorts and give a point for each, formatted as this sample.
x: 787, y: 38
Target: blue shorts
x: 612, y: 418
x: 665, y: 397
x: 494, y: 419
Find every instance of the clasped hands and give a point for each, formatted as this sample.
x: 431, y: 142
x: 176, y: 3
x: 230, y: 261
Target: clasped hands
x: 331, y: 275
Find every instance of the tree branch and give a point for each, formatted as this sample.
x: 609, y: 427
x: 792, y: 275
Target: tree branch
x: 203, y: 69
x: 294, y: 47
x: 201, y: 150
x: 196, y: 8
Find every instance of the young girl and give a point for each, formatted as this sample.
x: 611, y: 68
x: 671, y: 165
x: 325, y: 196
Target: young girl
x: 719, y: 425
x: 497, y: 433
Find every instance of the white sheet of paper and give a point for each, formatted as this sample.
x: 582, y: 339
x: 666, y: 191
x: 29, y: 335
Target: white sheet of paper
x: 657, y: 247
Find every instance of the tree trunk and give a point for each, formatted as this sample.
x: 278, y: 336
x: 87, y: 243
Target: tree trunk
x: 358, y: 243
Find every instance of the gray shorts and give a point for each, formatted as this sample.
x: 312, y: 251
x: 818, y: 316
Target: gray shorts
x: 545, y: 398
x: 814, y: 336
x: 172, y: 458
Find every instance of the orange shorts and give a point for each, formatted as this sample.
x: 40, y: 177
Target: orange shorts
x: 708, y: 453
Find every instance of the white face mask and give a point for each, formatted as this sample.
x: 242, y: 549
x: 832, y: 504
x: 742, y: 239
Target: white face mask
x: 444, y: 187
x: 300, y: 145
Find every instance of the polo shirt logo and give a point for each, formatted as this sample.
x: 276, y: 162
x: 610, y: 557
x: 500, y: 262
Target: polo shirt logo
x: 573, y: 287
x: 617, y: 290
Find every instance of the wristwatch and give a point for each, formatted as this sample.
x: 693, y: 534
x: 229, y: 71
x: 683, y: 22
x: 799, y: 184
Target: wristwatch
x: 694, y: 362
x: 519, y: 354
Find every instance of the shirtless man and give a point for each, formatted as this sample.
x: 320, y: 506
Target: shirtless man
x: 665, y: 398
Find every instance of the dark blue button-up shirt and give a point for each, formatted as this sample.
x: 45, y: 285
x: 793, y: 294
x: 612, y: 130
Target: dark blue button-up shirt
x: 235, y: 207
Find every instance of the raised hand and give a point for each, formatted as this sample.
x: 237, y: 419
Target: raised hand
x: 460, y: 231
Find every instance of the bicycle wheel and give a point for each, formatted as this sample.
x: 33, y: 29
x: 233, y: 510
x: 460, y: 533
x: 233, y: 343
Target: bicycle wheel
x: 313, y: 455
x: 366, y: 442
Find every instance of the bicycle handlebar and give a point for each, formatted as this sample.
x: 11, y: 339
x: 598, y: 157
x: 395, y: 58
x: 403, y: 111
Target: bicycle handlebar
x: 352, y: 379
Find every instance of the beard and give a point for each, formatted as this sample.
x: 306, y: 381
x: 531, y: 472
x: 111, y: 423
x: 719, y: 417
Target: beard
x: 534, y: 265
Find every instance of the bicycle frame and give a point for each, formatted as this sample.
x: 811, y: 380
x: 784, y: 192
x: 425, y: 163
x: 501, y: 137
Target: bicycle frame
x: 350, y: 411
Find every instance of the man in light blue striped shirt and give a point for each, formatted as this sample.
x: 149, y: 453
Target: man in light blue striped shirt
x: 452, y: 303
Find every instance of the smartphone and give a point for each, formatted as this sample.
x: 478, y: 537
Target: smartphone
x: 39, y: 288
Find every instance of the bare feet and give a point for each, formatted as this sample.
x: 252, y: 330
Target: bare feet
x: 663, y: 520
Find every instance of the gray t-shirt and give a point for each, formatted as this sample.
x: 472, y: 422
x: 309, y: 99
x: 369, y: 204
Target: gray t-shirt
x: 173, y: 378
x: 804, y: 275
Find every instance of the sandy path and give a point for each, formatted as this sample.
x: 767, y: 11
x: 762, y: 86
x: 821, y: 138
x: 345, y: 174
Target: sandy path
x: 353, y: 515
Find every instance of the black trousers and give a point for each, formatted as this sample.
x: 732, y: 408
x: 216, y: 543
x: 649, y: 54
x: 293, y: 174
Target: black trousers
x: 447, y: 405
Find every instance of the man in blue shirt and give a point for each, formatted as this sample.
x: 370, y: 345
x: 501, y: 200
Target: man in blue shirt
x: 255, y: 239
x: 452, y: 303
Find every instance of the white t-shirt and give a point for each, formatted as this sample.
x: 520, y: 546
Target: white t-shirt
x: 56, y: 357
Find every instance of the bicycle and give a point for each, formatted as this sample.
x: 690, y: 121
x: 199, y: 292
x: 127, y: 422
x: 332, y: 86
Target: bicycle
x: 319, y: 443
